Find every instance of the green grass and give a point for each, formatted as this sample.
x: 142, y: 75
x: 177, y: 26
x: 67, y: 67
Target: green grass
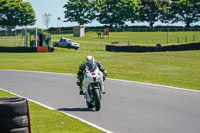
x: 51, y: 121
x: 178, y: 69
x: 136, y: 38
x: 92, y: 42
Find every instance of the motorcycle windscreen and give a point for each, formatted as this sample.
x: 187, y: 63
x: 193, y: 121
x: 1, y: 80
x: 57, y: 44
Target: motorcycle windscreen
x: 92, y: 66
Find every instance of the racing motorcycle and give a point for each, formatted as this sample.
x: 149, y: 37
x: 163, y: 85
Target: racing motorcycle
x: 93, y: 87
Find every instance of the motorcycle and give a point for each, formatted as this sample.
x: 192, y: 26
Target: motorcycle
x: 93, y: 87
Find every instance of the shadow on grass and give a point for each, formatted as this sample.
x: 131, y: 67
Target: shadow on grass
x: 77, y: 109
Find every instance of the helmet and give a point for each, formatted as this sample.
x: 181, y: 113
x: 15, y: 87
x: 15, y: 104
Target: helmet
x: 90, y: 61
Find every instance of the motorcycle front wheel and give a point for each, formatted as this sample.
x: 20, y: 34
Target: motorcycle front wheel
x: 89, y: 105
x: 97, y: 99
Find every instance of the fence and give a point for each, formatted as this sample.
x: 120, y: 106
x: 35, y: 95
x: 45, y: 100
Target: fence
x: 69, y: 30
x: 145, y: 29
x: 11, y: 37
x: 29, y: 37
x: 93, y: 47
x: 142, y: 36
x: 24, y: 40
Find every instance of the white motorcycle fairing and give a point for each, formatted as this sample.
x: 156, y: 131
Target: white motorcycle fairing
x: 93, y: 87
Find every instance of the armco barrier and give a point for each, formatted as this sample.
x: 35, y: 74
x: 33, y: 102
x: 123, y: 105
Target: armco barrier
x: 24, y: 49
x: 182, y: 47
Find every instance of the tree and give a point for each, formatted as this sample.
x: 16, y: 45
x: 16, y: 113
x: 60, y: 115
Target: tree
x: 117, y: 12
x: 80, y: 11
x: 154, y: 10
x: 27, y: 15
x: 165, y: 15
x: 16, y: 13
x: 46, y: 19
x: 96, y: 7
x: 186, y: 11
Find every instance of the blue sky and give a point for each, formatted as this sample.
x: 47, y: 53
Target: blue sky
x: 55, y: 8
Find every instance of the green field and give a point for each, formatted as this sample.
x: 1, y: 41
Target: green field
x: 92, y: 42
x: 135, y: 38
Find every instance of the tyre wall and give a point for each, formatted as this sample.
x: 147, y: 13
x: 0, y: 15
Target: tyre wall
x: 158, y: 48
x: 14, y: 116
x: 22, y: 49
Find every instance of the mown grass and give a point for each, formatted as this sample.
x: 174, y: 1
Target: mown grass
x: 178, y: 69
x: 51, y: 121
x: 92, y: 42
x: 136, y: 38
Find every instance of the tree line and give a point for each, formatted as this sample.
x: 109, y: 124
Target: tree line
x: 109, y: 12
x: 116, y: 12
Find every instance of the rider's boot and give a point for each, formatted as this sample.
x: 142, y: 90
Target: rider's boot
x: 103, y: 91
x: 81, y: 91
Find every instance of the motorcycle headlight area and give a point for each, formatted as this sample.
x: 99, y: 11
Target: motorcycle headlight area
x: 98, y: 78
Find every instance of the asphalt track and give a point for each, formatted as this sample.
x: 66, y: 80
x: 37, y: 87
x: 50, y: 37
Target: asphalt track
x: 127, y: 107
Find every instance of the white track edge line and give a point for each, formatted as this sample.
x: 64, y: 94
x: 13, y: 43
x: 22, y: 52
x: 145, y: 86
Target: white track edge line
x: 156, y: 85
x: 50, y: 108
x: 184, y: 89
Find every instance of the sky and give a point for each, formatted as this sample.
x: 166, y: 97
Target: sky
x: 55, y: 8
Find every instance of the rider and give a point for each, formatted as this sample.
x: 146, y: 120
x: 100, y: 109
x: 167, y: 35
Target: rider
x: 89, y: 61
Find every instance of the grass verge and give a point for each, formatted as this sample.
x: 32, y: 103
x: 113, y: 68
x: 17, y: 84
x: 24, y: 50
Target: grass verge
x: 178, y: 69
x: 51, y: 121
